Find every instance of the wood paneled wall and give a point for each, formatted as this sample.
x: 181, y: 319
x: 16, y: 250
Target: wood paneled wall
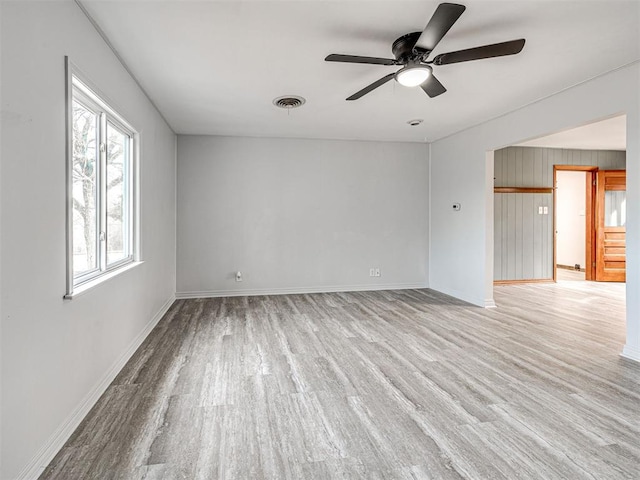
x: 523, y: 239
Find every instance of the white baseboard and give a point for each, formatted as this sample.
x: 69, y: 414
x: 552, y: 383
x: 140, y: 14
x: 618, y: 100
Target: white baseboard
x: 297, y: 290
x: 490, y: 303
x: 53, y: 445
x: 632, y: 353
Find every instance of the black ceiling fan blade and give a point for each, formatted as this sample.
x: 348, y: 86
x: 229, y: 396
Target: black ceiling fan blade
x: 371, y: 87
x: 442, y: 20
x: 334, y: 57
x: 477, y: 53
x: 433, y: 87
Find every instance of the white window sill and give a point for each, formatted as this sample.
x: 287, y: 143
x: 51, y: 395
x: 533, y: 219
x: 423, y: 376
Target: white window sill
x: 85, y: 287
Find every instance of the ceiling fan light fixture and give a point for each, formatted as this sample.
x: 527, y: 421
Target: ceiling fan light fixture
x: 413, y: 75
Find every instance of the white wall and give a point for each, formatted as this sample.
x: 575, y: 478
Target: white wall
x: 570, y: 218
x: 58, y: 354
x: 300, y: 215
x: 461, y: 263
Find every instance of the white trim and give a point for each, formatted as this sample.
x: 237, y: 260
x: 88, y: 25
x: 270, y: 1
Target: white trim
x: 94, y: 282
x: 297, y: 290
x: 94, y: 93
x: 490, y: 303
x: 68, y: 69
x: 88, y: 89
x: 632, y: 353
x: 53, y: 445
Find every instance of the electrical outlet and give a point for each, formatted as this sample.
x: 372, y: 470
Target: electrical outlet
x: 238, y: 276
x: 377, y: 272
x: 372, y: 272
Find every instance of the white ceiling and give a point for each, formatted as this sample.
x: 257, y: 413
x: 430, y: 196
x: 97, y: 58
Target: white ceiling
x: 214, y: 67
x: 609, y: 134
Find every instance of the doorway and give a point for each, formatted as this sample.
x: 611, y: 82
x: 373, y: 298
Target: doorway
x: 571, y: 225
x: 574, y: 222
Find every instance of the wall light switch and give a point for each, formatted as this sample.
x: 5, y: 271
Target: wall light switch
x: 546, y: 210
x: 540, y: 210
x: 456, y: 207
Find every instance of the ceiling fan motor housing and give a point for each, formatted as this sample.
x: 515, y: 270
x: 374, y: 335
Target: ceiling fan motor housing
x: 402, y: 48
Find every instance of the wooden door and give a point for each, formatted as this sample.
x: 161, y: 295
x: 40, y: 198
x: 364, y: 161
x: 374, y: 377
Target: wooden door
x: 610, y: 226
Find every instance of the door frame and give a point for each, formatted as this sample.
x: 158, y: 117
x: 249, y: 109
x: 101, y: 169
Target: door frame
x: 590, y: 226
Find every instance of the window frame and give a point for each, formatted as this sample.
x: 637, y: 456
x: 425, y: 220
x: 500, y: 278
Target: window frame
x: 79, y: 89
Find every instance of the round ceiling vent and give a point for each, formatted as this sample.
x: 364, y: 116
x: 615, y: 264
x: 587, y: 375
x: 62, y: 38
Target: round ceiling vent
x: 289, y: 101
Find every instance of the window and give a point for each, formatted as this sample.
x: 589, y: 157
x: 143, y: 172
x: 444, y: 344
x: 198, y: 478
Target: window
x: 101, y: 187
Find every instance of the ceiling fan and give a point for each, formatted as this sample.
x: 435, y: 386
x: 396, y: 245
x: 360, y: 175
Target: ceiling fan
x: 413, y: 49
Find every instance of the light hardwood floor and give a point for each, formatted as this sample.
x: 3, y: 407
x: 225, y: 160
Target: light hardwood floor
x: 400, y: 385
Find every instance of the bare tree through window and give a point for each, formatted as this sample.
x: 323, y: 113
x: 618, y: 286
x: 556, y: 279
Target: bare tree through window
x: 86, y: 158
x: 85, y: 184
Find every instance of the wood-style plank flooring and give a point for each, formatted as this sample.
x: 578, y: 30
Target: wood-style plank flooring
x: 379, y: 385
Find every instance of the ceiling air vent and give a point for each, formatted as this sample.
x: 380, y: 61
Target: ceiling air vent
x: 289, y: 101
